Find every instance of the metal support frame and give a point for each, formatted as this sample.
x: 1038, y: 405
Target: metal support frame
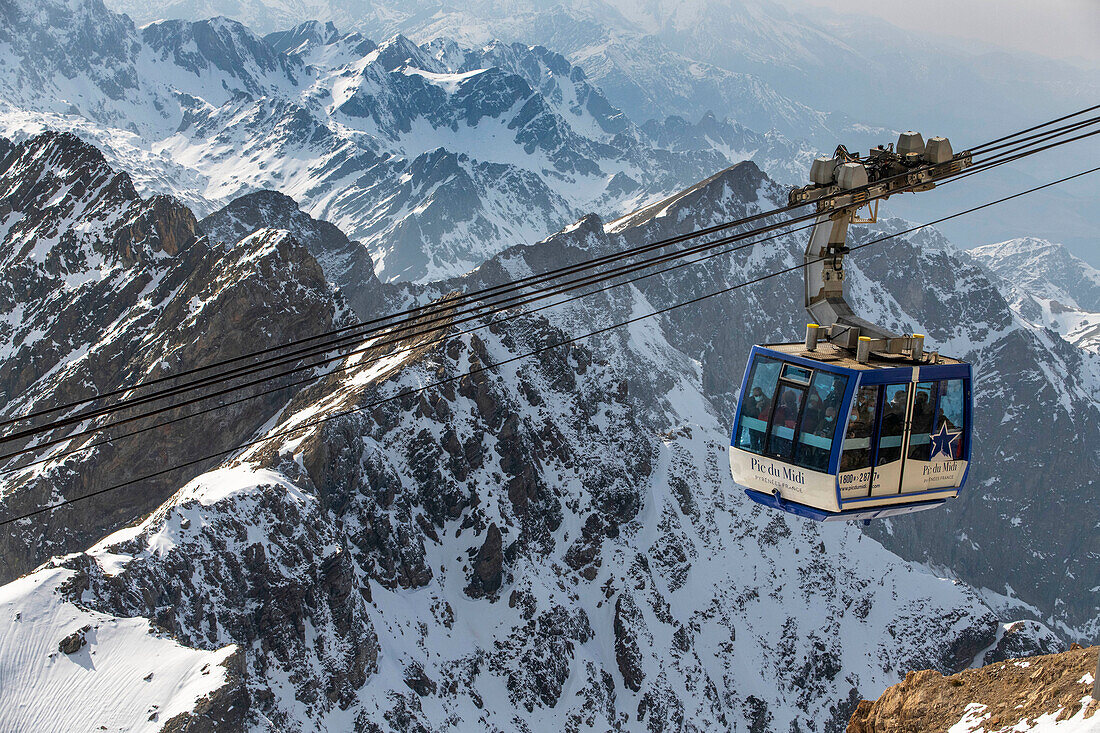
x: 888, y: 173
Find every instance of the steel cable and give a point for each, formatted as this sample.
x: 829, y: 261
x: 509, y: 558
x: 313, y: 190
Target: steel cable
x: 441, y: 304
x: 501, y: 305
x: 518, y: 357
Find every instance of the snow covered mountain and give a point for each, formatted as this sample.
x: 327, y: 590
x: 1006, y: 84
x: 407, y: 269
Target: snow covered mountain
x: 1048, y: 286
x: 642, y: 74
x: 813, y: 75
x: 1044, y: 269
x: 663, y: 57
x: 434, y: 157
x: 554, y: 543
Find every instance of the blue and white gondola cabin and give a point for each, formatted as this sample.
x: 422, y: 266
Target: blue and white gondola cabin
x: 825, y: 436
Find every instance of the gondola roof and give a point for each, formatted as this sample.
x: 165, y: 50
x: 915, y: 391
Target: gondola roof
x: 833, y: 355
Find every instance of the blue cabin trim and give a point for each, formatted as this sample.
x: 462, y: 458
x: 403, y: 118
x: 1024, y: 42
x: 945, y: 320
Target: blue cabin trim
x: 968, y: 402
x: 879, y: 375
x: 820, y: 515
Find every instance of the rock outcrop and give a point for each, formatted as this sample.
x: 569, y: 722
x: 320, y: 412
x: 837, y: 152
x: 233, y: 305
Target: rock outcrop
x: 1013, y: 695
x: 100, y: 288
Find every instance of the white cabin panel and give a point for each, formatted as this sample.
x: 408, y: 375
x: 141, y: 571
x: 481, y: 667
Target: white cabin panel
x: 793, y: 482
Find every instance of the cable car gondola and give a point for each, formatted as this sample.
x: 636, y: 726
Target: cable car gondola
x: 854, y: 422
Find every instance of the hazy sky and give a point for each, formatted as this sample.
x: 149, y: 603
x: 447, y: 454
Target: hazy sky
x: 1057, y: 28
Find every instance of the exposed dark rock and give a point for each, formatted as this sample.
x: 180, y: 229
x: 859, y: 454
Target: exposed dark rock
x: 72, y: 643
x: 627, y: 654
x: 584, y: 554
x: 488, y: 566
x: 418, y: 681
x: 757, y: 715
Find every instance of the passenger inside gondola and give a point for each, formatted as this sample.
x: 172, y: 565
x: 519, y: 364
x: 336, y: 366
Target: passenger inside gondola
x: 921, y: 408
x: 787, y: 412
x: 923, y: 405
x: 893, y: 424
x: 757, y: 404
x: 815, y: 438
x: 814, y: 413
x: 857, y: 439
x: 760, y: 407
x: 784, y: 419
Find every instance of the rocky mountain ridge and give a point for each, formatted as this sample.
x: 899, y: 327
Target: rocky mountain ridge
x: 646, y: 76
x: 747, y: 57
x: 101, y: 289
x: 433, y: 156
x: 1048, y: 286
x: 1044, y: 269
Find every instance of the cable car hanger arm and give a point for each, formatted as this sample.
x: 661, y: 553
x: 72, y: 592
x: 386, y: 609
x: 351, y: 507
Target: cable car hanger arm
x: 913, y: 166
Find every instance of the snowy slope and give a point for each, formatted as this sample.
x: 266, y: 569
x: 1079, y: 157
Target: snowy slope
x: 123, y: 674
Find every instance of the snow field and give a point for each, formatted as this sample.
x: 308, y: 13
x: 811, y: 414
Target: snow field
x: 125, y: 678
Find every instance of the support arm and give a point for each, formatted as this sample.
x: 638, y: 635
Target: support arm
x: 824, y: 260
x: 840, y: 186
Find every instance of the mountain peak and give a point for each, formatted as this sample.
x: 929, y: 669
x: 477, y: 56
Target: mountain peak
x: 62, y: 191
x: 52, y: 159
x: 740, y: 182
x: 345, y: 263
x: 313, y: 34
x: 221, y: 45
x: 400, y: 52
x: 1044, y: 269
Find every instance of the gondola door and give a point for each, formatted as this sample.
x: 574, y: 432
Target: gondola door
x: 858, y: 454
x: 890, y: 440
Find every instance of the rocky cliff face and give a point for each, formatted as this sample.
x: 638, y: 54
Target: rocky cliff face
x: 1051, y: 692
x: 100, y: 289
